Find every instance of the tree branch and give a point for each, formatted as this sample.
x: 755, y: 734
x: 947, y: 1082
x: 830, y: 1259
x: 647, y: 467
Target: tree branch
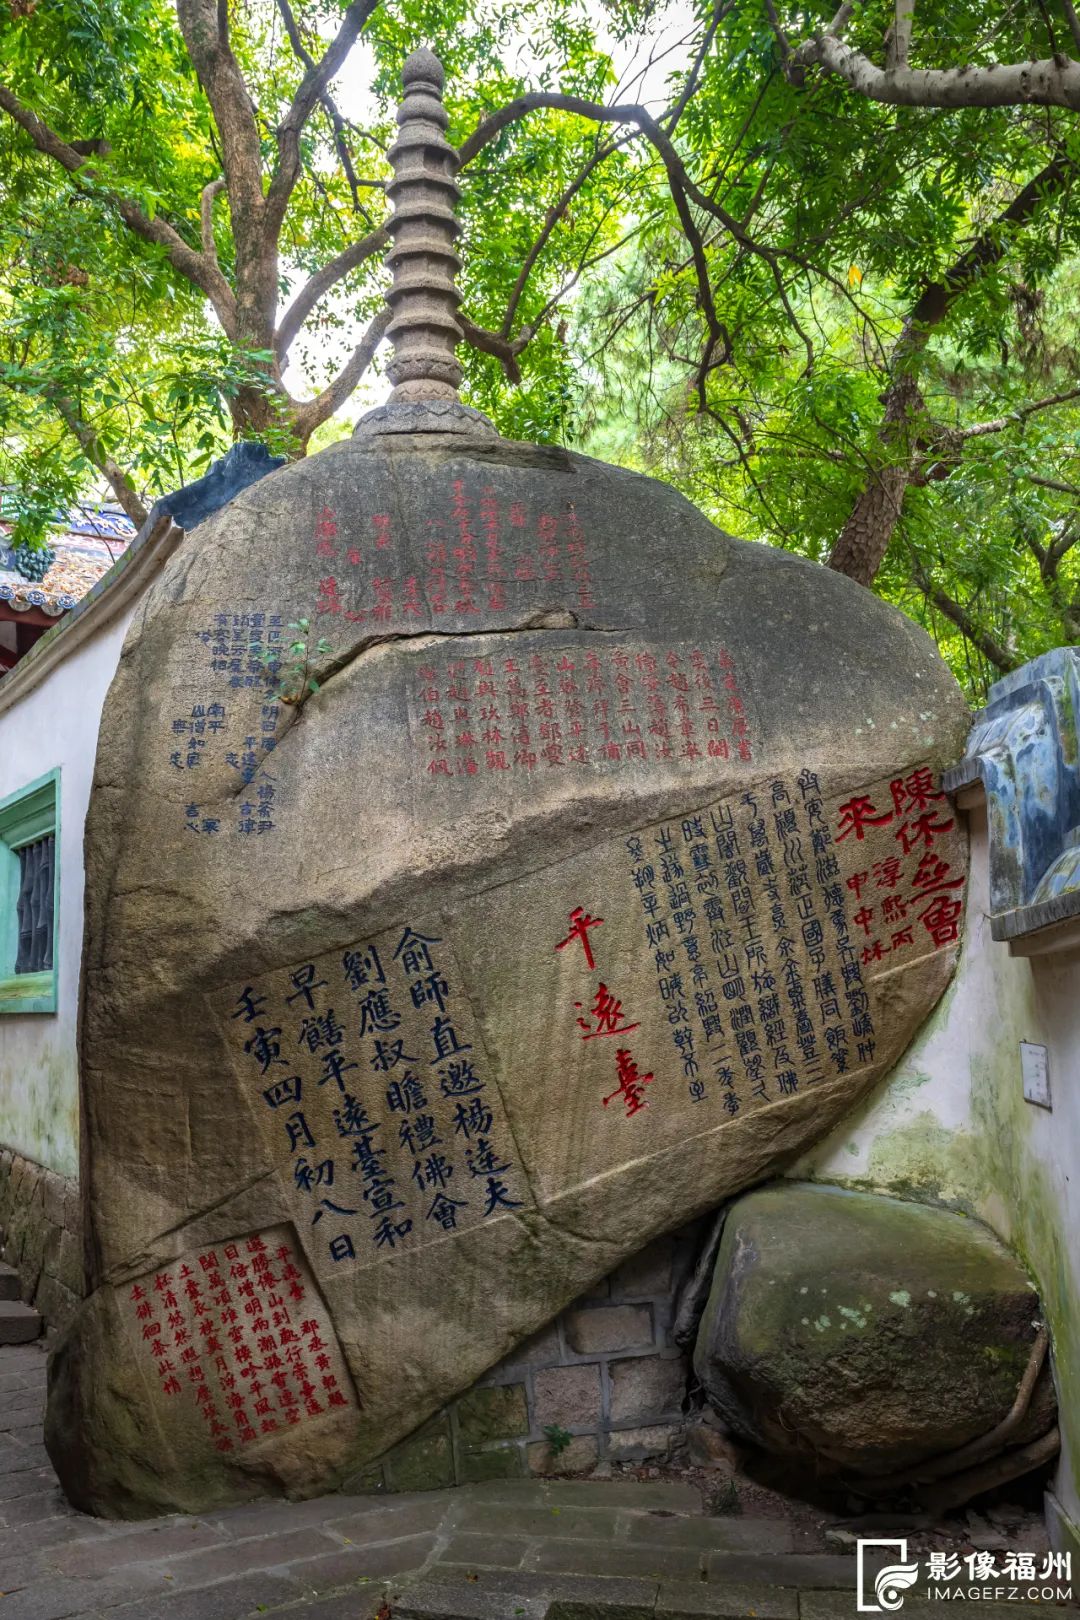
x: 554, y: 214
x: 998, y: 424
x: 777, y: 27
x: 864, y: 540
x: 1054, y: 82
x: 683, y: 192
x: 989, y: 247
x: 1050, y: 558
x: 93, y: 450
x: 321, y: 282
x: 991, y: 649
x: 1073, y: 21
x: 495, y: 343
x: 664, y: 128
x: 1053, y: 483
x: 204, y: 25
x: 683, y: 189
x: 206, y: 215
x: 900, y: 44
x: 311, y: 413
x: 1060, y: 549
x: 718, y: 349
x: 945, y: 442
x: 311, y: 89
x: 202, y: 271
x: 337, y: 123
x: 671, y: 118
x: 533, y: 101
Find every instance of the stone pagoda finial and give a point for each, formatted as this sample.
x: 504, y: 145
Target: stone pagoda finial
x: 424, y: 297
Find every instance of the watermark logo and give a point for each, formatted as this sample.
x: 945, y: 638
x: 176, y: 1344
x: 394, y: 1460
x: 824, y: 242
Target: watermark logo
x: 885, y: 1586
x: 944, y: 1576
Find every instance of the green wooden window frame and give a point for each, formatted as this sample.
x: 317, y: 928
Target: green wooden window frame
x: 31, y: 813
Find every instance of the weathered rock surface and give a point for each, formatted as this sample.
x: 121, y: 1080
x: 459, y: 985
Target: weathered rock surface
x: 856, y: 1333
x: 607, y: 868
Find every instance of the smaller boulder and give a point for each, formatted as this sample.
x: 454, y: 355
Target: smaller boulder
x: 860, y: 1335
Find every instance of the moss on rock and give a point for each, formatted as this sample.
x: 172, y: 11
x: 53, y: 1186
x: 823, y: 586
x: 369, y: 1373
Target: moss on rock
x: 863, y: 1333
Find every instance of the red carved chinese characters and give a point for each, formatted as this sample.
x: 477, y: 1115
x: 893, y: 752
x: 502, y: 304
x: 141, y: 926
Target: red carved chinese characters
x: 493, y: 574
x: 739, y: 725
x: 858, y: 814
x: 580, y: 923
x: 578, y: 561
x: 230, y: 1329
x: 911, y: 898
x: 605, y: 1017
x: 325, y: 533
x: 578, y: 708
x: 631, y: 1083
x: 476, y: 556
x: 464, y: 552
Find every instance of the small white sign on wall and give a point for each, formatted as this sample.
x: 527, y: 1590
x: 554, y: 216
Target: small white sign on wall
x: 1035, y: 1068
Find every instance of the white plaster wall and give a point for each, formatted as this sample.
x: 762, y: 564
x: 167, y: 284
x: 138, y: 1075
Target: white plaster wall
x: 950, y: 1124
x: 55, y: 724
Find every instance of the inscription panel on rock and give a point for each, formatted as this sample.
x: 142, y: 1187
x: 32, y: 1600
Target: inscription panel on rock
x: 236, y: 1333
x: 366, y: 1071
x: 564, y: 708
x: 709, y: 965
x: 659, y: 985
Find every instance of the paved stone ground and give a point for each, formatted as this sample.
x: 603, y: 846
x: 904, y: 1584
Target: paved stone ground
x: 511, y: 1550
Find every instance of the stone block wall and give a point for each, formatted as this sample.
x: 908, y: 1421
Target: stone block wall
x: 603, y: 1383
x: 40, y: 1219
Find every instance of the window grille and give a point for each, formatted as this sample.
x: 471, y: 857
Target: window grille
x: 35, y: 906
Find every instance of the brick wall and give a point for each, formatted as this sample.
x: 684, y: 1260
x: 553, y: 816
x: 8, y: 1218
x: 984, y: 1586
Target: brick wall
x: 606, y: 1374
x: 41, y: 1224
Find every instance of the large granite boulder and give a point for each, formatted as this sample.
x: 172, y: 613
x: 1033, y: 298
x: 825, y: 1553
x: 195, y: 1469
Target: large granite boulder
x: 857, y: 1334
x: 606, y: 868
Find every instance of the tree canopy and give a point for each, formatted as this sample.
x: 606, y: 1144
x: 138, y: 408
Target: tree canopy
x: 824, y: 282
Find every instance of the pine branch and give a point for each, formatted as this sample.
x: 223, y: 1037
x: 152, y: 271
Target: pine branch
x: 981, y: 639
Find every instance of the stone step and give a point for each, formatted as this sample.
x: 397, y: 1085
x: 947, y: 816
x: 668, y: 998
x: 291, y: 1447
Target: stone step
x: 9, y: 1282
x: 19, y: 1323
x: 580, y: 1597
x: 583, y: 1597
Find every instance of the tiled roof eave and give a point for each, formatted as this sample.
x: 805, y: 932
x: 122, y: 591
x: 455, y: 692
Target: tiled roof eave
x: 114, y: 592
x: 29, y: 595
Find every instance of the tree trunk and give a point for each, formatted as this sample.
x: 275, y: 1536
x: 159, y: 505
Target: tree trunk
x: 253, y: 413
x: 256, y: 410
x: 863, y: 541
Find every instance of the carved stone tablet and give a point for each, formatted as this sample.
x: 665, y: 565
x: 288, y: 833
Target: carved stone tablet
x: 606, y: 868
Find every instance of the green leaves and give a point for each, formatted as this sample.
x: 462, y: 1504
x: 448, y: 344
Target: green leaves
x: 759, y: 384
x: 779, y: 441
